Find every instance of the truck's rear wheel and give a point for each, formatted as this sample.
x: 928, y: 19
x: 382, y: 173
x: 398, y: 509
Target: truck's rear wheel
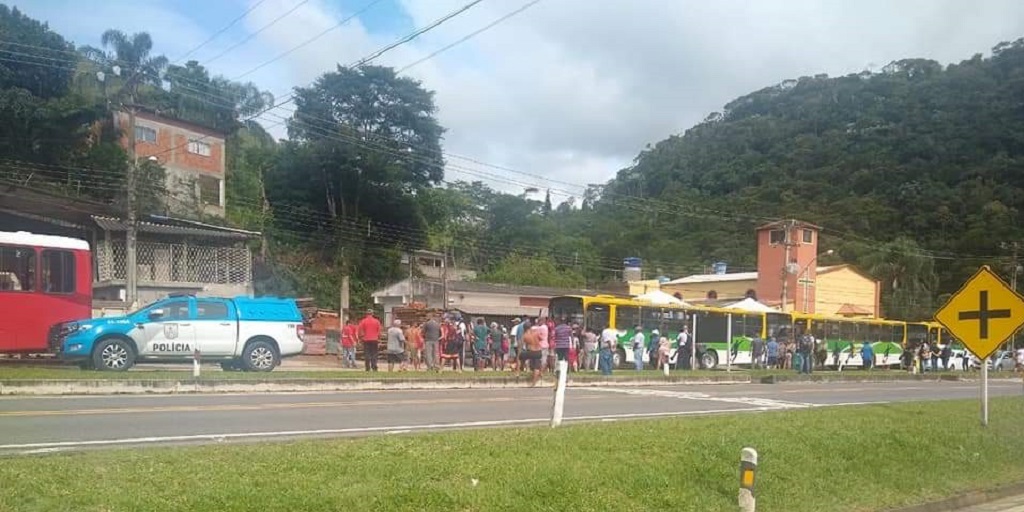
x: 260, y: 356
x: 113, y: 354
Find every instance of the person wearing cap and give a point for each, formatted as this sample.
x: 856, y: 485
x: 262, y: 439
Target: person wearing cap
x: 369, y: 334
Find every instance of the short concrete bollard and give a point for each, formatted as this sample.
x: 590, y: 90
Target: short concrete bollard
x: 556, y: 413
x: 748, y: 468
x: 666, y: 369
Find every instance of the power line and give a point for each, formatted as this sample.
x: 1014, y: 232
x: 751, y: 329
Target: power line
x: 256, y: 33
x: 221, y: 31
x: 409, y: 37
x: 469, y: 36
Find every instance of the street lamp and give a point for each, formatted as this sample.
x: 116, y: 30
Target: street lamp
x: 805, y: 281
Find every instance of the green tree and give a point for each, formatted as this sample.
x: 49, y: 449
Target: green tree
x: 524, y: 270
x: 908, y: 279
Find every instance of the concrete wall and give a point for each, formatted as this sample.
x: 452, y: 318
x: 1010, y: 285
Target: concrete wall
x: 843, y: 285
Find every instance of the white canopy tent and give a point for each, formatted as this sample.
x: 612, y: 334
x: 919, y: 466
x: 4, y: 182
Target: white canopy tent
x: 752, y: 305
x: 660, y: 297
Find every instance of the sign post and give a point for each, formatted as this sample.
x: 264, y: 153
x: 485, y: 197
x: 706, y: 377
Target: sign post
x: 983, y: 314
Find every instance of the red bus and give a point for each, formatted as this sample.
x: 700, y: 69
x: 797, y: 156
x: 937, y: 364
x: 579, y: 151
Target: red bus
x: 44, y: 280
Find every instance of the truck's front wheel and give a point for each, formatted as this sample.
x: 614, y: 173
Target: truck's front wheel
x: 113, y: 354
x: 260, y: 356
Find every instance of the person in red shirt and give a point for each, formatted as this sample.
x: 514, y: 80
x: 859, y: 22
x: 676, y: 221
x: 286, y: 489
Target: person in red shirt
x: 369, y: 334
x: 348, y: 343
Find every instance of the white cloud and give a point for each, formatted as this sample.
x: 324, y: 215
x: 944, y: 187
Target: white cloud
x: 574, y: 89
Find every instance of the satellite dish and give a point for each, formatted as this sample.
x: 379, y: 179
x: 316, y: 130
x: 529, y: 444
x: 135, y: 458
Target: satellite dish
x: 101, y: 76
x: 792, y: 268
x: 117, y: 70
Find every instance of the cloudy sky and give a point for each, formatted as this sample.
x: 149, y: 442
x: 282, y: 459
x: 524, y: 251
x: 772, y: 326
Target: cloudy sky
x: 568, y: 90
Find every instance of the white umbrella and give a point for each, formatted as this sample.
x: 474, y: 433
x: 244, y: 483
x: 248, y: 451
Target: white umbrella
x: 660, y: 297
x: 749, y: 304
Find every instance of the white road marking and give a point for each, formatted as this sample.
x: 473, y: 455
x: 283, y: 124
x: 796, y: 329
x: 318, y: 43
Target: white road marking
x: 691, y: 395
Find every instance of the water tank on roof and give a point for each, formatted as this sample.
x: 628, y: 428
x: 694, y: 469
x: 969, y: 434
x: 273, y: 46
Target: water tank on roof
x: 720, y: 267
x: 664, y: 279
x: 632, y: 270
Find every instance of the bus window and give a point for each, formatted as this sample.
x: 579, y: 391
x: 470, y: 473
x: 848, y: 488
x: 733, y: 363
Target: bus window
x: 597, y: 317
x: 747, y: 326
x: 570, y: 308
x: 778, y: 324
x: 850, y: 331
x: 898, y: 332
x: 626, y: 317
x: 58, y: 271
x: 674, y: 320
x: 916, y: 333
x: 653, y: 318
x: 17, y: 269
x: 711, y: 327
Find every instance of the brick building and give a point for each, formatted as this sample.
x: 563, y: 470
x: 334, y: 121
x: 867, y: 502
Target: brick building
x: 796, y: 280
x: 192, y: 155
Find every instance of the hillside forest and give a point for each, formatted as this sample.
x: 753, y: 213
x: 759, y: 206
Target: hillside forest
x: 913, y: 171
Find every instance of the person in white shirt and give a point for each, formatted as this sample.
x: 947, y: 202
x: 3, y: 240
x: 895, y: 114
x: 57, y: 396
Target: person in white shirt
x: 683, y: 350
x: 639, y: 344
x: 609, y: 344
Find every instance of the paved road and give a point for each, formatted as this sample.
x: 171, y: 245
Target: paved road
x: 1011, y: 504
x: 42, y: 424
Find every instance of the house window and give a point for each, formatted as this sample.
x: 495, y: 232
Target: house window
x: 17, y: 269
x: 751, y: 294
x: 145, y: 134
x: 209, y: 190
x: 712, y: 295
x: 198, y: 147
x: 58, y: 272
x: 808, y: 236
x: 776, y: 236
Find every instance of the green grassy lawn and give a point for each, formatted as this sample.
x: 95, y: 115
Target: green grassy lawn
x: 838, y: 459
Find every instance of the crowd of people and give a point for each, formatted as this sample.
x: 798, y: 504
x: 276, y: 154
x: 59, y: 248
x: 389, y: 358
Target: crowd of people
x: 448, y: 340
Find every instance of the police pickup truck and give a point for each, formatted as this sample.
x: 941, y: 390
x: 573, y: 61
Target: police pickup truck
x: 243, y: 333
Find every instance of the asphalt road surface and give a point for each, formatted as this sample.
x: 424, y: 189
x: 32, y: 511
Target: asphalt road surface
x: 50, y: 424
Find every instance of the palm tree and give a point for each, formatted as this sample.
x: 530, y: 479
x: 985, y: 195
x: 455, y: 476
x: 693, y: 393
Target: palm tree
x: 130, y: 58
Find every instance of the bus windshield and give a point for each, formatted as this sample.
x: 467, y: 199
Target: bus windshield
x: 570, y: 308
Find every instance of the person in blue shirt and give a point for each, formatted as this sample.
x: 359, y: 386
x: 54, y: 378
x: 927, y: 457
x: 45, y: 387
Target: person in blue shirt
x: 772, y: 350
x: 867, y: 354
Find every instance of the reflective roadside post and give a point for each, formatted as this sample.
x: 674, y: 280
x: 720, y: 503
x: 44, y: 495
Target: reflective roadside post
x: 748, y: 467
x: 195, y: 363
x: 559, y: 406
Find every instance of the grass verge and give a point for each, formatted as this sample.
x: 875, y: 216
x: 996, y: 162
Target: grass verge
x: 865, y: 458
x: 11, y: 372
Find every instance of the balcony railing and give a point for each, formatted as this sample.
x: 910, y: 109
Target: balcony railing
x: 176, y: 263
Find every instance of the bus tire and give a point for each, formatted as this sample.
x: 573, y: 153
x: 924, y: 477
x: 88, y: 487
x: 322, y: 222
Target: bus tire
x: 619, y: 358
x: 113, y: 354
x: 709, y: 360
x: 260, y: 355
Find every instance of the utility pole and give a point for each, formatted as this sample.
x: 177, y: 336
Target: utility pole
x: 444, y: 280
x: 787, y: 243
x: 131, y: 280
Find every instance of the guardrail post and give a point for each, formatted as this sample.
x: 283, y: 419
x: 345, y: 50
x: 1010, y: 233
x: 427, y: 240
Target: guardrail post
x: 556, y: 413
x: 748, y: 468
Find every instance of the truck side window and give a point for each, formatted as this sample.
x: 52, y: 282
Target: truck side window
x: 177, y: 310
x: 212, y: 310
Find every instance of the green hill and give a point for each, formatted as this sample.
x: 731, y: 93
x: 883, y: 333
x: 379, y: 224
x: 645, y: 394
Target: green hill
x: 916, y: 172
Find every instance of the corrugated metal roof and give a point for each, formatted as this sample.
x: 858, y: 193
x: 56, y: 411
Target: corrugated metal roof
x: 203, y: 230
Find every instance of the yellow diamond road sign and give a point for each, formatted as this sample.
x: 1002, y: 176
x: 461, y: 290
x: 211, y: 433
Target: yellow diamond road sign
x: 984, y: 313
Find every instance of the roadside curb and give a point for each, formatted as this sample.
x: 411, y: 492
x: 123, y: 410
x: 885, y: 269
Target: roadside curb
x: 297, y: 385
x: 968, y: 499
